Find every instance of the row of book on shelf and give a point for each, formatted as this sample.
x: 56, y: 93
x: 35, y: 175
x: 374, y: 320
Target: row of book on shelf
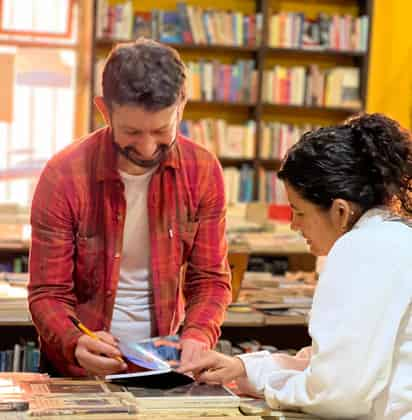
x: 192, y: 24
x: 227, y: 140
x: 334, y: 32
x: 22, y: 358
x: 215, y: 81
x: 240, y: 187
x: 311, y: 86
x: 187, y: 24
x: 297, y: 85
x: 17, y: 264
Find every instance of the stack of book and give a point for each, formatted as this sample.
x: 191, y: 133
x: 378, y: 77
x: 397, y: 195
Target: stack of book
x: 50, y: 398
x: 265, y: 299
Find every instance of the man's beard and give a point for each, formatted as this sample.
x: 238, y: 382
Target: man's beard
x: 130, y: 153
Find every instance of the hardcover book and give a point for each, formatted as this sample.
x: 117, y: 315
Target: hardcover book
x: 85, y: 406
x: 192, y: 395
x: 67, y: 386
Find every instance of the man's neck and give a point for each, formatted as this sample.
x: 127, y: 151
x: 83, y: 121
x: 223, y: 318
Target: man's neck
x: 130, y: 168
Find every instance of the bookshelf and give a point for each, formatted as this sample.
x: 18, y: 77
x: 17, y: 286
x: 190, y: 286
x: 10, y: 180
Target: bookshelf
x: 265, y: 55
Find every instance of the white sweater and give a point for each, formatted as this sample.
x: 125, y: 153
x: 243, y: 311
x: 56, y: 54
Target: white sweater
x: 360, y: 363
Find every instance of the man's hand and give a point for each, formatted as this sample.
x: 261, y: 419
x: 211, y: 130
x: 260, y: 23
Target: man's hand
x: 192, y: 350
x: 97, y: 357
x: 215, y: 368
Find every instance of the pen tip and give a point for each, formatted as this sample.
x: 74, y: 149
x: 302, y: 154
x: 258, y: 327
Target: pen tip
x: 73, y: 319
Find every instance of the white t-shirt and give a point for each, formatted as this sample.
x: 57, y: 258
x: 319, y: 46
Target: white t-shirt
x: 134, y: 299
x: 360, y: 364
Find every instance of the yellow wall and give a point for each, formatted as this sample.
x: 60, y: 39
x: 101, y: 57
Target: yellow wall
x: 390, y: 68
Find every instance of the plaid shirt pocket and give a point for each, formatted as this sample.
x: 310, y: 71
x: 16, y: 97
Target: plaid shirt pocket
x: 87, y: 255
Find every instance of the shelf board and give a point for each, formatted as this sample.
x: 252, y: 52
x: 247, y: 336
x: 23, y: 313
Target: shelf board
x: 312, y: 53
x: 108, y: 42
x: 237, y: 104
x: 216, y: 47
x: 259, y: 319
x: 14, y: 246
x: 10, y: 322
x: 269, y: 163
x: 286, y: 107
x: 226, y: 161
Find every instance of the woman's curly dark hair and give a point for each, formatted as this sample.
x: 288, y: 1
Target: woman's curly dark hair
x: 143, y: 73
x: 366, y: 160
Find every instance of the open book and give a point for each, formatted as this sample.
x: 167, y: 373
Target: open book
x: 151, y: 363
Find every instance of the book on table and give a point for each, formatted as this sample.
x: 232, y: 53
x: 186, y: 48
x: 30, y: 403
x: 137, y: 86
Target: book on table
x: 151, y: 363
x: 259, y: 407
x: 189, y: 396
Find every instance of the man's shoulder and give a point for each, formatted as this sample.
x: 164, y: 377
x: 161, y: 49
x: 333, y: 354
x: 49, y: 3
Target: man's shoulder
x: 79, y: 153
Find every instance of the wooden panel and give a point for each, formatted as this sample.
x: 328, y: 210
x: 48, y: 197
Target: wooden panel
x: 7, y: 86
x: 390, y: 81
x: 84, y: 68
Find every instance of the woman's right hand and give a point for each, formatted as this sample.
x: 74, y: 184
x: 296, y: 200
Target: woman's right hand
x: 215, y: 368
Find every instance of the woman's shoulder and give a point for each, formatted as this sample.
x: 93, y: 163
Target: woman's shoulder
x: 378, y: 234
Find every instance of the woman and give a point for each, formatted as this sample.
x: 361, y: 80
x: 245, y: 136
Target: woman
x: 348, y: 187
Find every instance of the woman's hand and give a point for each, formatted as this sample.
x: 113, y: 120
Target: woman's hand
x: 215, y: 368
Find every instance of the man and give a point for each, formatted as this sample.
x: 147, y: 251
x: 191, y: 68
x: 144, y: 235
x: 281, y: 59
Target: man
x: 128, y: 225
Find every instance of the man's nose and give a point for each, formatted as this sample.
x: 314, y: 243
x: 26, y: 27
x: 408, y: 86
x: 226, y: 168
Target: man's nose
x: 147, y: 146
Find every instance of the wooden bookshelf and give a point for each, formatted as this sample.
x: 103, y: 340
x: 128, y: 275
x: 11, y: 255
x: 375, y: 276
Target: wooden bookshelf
x: 311, y: 53
x: 263, y: 56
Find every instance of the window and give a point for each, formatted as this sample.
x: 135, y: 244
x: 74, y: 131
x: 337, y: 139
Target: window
x: 37, y: 77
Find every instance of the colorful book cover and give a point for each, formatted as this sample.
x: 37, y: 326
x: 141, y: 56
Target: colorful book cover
x: 151, y: 363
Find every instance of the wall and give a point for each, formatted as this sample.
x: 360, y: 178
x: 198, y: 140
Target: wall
x: 390, y: 71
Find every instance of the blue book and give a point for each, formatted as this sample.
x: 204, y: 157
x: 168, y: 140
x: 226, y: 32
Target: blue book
x: 170, y: 28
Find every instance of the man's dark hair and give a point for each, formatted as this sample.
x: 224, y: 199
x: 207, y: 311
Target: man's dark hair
x: 367, y: 160
x: 143, y: 73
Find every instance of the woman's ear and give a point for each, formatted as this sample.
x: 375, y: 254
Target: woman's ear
x: 341, y: 214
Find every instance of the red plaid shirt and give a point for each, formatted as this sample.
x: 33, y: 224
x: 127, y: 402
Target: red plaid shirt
x: 77, y: 218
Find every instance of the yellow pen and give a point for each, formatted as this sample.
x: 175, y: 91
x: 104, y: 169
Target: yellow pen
x: 91, y: 334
